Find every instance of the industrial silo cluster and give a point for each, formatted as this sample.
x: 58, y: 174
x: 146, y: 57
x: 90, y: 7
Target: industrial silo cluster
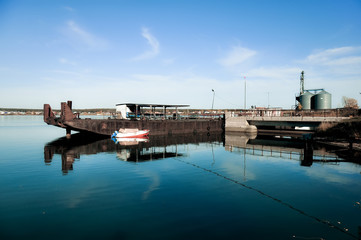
x: 313, y: 99
x: 316, y: 101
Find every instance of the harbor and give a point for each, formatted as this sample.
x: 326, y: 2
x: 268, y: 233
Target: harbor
x: 180, y: 120
x: 277, y: 168
x: 312, y: 112
x: 104, y: 188
x: 274, y: 122
x: 290, y: 125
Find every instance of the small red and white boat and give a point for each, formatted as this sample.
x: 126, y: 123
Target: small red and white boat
x: 130, y: 133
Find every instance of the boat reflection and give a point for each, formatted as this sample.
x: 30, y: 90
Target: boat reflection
x: 131, y: 150
x: 130, y: 141
x: 141, y: 155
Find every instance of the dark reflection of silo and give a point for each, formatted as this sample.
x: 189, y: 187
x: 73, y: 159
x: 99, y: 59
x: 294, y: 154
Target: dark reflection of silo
x: 322, y: 100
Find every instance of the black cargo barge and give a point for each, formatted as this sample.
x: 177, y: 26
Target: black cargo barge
x: 157, y: 126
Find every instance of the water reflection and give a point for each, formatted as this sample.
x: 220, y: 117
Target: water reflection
x: 155, y: 148
x: 131, y: 150
x: 283, y: 203
x: 163, y: 147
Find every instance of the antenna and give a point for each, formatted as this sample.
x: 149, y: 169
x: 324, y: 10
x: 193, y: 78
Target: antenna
x: 302, y: 82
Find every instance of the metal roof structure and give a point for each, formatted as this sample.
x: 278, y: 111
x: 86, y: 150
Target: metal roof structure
x: 153, y: 105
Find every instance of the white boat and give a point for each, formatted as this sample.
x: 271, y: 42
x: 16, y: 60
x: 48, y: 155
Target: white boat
x: 130, y: 133
x: 302, y: 128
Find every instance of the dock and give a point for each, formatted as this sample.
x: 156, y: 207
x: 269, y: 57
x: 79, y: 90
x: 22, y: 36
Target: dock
x: 271, y: 122
x: 291, y: 123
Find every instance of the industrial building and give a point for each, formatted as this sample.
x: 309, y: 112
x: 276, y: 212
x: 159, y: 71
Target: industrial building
x: 312, y: 99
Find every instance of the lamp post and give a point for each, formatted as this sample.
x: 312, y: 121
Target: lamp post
x: 213, y: 98
x: 245, y: 92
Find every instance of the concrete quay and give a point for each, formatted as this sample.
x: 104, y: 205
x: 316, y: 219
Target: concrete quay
x: 250, y: 123
x: 238, y: 124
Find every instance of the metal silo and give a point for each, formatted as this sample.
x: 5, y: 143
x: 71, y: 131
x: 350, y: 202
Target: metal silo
x: 322, y: 100
x: 305, y: 100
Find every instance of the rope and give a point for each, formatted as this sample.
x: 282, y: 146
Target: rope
x: 326, y: 222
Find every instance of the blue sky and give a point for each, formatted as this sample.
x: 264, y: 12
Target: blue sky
x: 100, y: 53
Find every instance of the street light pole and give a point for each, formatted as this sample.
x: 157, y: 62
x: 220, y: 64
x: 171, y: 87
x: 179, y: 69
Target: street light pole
x: 213, y: 97
x: 245, y: 93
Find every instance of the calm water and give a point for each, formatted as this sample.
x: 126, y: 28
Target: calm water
x: 187, y: 187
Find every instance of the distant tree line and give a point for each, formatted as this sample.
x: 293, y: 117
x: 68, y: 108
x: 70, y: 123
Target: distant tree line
x: 20, y: 110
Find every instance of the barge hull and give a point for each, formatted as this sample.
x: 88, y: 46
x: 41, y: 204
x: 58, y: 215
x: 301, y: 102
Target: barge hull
x: 70, y: 121
x: 156, y: 127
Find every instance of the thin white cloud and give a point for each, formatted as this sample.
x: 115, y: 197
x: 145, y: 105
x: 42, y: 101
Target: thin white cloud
x: 335, y: 64
x: 66, y: 61
x: 274, y: 73
x: 70, y: 9
x: 154, y: 46
x: 81, y: 33
x: 168, y: 61
x: 236, y: 56
x: 151, y: 77
x: 79, y: 36
x: 336, y: 56
x: 345, y: 61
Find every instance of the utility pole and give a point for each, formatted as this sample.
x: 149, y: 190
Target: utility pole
x: 302, y: 82
x: 245, y: 93
x: 213, y: 98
